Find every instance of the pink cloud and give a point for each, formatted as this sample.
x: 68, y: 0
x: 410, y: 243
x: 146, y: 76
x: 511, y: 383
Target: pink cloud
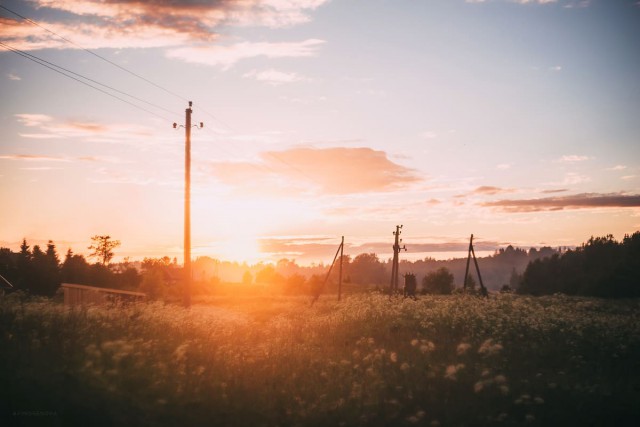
x: 227, y: 55
x: 159, y: 23
x: 338, y: 170
x: 577, y: 201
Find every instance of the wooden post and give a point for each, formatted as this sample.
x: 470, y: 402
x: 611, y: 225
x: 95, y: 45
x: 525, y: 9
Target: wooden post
x: 317, y: 295
x: 466, y: 270
x: 340, y: 277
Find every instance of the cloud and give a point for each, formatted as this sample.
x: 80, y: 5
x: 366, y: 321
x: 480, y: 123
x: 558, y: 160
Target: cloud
x: 39, y: 158
x: 336, y: 170
x: 572, y: 159
x: 577, y: 201
x: 226, y: 56
x: 578, y: 4
x: 573, y: 178
x: 428, y: 135
x: 559, y: 190
x: 534, y: 1
x: 158, y: 23
x: 89, y: 35
x: 303, y: 247
x: 33, y: 120
x: 517, y: 1
x: 504, y: 166
x: 324, y: 247
x: 34, y: 158
x: 274, y: 77
x: 617, y: 168
x: 489, y: 190
x: 14, y: 77
x: 50, y: 128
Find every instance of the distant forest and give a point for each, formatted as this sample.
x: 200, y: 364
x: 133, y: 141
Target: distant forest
x: 601, y: 267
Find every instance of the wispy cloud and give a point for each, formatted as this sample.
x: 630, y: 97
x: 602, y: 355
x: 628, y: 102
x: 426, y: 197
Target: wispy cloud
x: 321, y: 247
x: 40, y: 158
x: 49, y: 127
x: 293, y: 247
x: 490, y: 190
x: 338, y: 170
x: 577, y: 201
x: 34, y: 158
x: 274, y: 77
x: 14, y: 77
x: 516, y: 1
x: 226, y: 56
x: 573, y: 158
x: 552, y: 191
x: 534, y: 1
x: 617, y: 168
x: 574, y: 178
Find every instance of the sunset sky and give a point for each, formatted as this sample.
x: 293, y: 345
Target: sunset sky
x: 515, y: 120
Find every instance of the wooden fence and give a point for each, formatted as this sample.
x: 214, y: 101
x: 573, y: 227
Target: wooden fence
x: 84, y: 295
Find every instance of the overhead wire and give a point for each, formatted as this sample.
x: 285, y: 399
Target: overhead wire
x: 58, y: 69
x: 97, y: 82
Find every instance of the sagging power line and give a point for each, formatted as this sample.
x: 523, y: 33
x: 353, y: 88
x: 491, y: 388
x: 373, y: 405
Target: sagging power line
x: 70, y: 74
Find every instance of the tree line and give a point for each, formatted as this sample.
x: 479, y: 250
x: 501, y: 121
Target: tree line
x: 40, y: 272
x: 601, y: 267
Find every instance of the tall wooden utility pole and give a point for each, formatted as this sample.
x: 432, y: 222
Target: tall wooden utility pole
x: 187, y: 205
x: 396, y: 253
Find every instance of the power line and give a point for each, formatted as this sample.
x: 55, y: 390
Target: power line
x: 93, y: 53
x: 97, y: 82
x: 44, y: 63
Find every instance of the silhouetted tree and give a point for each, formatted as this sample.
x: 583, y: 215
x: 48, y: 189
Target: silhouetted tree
x: 103, y: 247
x: 367, y: 269
x: 24, y: 272
x: 75, y: 269
x: 438, y: 282
x: 8, y: 267
x: 43, y: 277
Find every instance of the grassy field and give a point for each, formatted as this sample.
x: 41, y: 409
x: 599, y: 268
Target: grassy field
x: 368, y: 360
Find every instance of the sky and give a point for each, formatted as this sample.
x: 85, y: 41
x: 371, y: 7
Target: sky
x: 514, y: 120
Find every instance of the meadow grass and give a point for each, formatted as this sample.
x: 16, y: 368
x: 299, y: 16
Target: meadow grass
x: 368, y: 360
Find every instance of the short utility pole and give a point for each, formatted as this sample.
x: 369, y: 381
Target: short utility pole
x: 187, y: 204
x: 483, y: 290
